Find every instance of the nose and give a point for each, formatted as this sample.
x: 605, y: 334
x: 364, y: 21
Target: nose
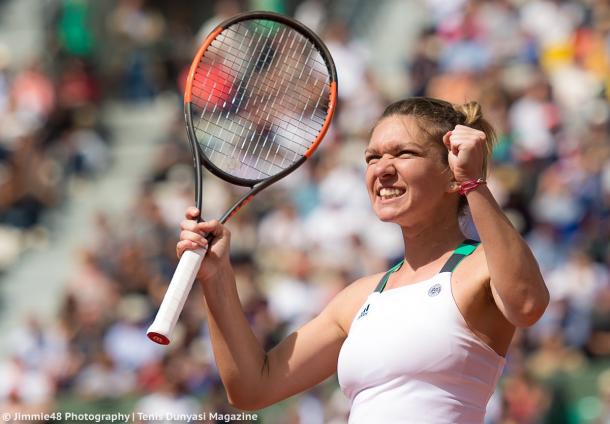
x: 384, y: 167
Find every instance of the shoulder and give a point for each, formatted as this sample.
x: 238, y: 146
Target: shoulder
x: 473, y: 268
x: 471, y: 278
x: 343, y: 307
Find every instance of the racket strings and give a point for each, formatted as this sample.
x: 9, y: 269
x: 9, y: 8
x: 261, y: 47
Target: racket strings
x: 317, y: 117
x: 260, y: 95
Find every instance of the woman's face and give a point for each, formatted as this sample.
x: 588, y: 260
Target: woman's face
x: 406, y: 177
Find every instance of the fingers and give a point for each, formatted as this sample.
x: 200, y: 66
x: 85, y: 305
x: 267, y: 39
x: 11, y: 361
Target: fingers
x: 464, y: 132
x: 184, y: 245
x: 451, y: 142
x: 463, y: 136
x: 447, y: 140
x: 191, y: 237
x: 214, y: 227
x: 194, y: 234
x: 195, y: 237
x: 192, y: 213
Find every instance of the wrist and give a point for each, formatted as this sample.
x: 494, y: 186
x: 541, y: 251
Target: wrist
x: 472, y: 184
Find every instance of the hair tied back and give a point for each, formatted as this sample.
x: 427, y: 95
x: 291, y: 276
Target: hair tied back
x: 470, y: 111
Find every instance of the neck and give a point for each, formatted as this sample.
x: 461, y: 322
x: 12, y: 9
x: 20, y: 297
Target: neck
x: 428, y: 242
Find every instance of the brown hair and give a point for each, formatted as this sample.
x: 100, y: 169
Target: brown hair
x: 436, y: 117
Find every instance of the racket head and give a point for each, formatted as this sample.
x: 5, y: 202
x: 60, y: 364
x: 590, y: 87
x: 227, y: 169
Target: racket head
x: 259, y: 98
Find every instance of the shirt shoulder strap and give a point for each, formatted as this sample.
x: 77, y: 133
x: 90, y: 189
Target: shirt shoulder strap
x: 386, y: 276
x: 466, y: 248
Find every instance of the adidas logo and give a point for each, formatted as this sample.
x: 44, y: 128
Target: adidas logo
x: 364, y: 312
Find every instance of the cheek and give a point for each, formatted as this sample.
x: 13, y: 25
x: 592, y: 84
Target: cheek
x: 414, y: 169
x: 369, y: 177
x: 425, y: 175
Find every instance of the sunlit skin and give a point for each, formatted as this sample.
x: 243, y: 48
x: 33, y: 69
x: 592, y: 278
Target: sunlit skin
x: 400, y: 157
x: 412, y: 181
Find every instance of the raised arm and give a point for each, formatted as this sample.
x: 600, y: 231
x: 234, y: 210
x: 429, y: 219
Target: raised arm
x: 252, y: 377
x: 516, y: 282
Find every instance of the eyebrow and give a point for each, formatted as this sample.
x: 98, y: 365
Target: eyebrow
x: 396, y: 147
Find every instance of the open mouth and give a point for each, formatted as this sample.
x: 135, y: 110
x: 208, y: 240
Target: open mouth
x: 387, y: 193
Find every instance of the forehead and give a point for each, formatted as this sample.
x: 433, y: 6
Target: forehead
x: 395, y: 131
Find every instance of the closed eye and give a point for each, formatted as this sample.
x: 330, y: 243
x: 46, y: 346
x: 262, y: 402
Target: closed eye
x: 403, y: 154
x: 407, y: 153
x: 371, y: 159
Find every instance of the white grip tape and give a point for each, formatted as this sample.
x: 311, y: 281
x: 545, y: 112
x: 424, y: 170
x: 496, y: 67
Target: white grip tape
x: 177, y: 292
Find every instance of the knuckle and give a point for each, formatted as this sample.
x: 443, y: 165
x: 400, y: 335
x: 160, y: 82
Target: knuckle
x: 188, y: 224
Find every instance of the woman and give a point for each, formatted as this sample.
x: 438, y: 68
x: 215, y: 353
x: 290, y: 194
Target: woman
x: 414, y: 344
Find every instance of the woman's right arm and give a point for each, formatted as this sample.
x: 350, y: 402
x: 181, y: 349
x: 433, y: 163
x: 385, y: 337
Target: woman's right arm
x: 252, y: 377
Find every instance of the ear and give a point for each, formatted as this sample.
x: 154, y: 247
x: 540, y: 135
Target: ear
x: 452, y: 186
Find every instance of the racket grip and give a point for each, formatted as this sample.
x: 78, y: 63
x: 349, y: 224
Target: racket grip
x: 162, y: 327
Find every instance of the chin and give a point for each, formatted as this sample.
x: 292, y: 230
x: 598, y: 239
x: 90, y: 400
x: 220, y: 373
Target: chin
x: 388, y: 216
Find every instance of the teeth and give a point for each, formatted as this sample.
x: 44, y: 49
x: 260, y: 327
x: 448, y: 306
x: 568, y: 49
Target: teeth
x: 388, y: 193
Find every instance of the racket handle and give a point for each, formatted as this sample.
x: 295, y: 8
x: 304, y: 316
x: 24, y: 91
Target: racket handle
x: 177, y: 292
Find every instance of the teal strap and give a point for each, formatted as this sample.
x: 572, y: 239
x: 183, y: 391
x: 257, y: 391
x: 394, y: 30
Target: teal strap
x: 386, y: 276
x: 463, y: 250
x: 466, y: 248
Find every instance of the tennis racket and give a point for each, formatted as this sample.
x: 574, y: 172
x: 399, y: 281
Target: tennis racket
x: 259, y: 97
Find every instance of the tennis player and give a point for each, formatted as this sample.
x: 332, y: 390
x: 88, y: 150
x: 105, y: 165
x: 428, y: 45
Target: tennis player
x: 424, y: 342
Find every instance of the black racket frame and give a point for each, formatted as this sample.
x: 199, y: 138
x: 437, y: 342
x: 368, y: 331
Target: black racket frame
x: 200, y: 159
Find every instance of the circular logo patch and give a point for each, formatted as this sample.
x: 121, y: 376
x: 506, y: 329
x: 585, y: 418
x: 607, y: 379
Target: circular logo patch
x: 434, y: 290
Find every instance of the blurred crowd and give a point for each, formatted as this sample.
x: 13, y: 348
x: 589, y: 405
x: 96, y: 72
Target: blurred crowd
x: 50, y: 136
x: 540, y: 69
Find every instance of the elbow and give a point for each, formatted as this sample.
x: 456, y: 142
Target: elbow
x: 248, y: 394
x: 242, y: 404
x: 524, y: 320
x: 246, y: 399
x: 532, y: 310
x: 245, y: 403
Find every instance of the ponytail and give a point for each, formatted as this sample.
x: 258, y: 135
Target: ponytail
x: 470, y: 111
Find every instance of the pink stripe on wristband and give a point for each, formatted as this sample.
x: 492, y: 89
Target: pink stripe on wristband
x: 469, y: 185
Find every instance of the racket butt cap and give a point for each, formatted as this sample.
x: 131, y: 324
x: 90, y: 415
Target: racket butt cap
x: 158, y: 338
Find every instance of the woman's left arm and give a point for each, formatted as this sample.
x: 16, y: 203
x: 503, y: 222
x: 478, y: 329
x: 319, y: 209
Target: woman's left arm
x: 516, y: 282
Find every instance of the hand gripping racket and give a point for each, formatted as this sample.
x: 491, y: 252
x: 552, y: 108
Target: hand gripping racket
x: 259, y: 97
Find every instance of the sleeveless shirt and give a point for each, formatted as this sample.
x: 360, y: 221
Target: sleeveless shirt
x: 410, y: 357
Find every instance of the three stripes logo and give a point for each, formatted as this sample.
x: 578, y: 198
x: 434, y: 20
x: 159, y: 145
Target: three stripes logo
x: 364, y: 312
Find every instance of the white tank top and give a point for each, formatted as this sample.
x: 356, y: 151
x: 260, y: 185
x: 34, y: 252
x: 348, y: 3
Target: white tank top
x: 410, y: 357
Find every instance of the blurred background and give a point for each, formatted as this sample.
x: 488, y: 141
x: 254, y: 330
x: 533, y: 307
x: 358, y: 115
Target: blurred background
x: 95, y: 175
